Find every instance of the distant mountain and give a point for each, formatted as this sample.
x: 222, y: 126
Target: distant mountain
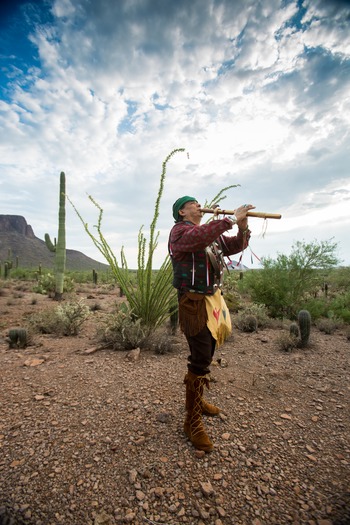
x: 236, y: 265
x: 17, y: 239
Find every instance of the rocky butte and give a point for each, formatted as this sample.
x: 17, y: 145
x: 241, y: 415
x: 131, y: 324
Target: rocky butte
x: 19, y: 243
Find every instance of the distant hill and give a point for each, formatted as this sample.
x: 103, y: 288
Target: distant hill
x: 236, y: 265
x: 18, y: 237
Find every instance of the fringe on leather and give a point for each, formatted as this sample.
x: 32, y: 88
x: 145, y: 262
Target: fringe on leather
x: 192, y: 313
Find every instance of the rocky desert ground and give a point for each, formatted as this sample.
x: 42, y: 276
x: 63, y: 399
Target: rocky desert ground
x: 93, y: 436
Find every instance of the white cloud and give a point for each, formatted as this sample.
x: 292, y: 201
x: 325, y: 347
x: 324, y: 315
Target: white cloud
x: 117, y: 85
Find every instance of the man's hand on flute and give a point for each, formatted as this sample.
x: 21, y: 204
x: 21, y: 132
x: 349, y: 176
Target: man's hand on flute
x: 241, y: 216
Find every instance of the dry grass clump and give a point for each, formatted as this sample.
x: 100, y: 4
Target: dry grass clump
x: 328, y: 326
x: 120, y: 330
x: 252, y: 317
x: 287, y: 342
x: 65, y: 319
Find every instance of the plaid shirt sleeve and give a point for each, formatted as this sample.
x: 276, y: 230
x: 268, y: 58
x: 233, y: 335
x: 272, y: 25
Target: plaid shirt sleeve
x: 186, y: 237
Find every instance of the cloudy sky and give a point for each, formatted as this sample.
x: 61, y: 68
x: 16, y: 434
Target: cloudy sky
x: 257, y: 92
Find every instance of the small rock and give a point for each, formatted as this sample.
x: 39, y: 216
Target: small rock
x: 164, y: 417
x: 129, y: 517
x: 311, y: 457
x: 140, y: 495
x: 207, y: 488
x: 132, y: 475
x: 134, y: 355
x: 34, y: 362
x: 285, y: 416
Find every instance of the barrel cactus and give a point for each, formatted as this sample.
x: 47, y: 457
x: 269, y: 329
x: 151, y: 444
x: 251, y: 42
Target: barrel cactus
x: 17, y: 338
x: 304, y: 321
x: 294, y: 330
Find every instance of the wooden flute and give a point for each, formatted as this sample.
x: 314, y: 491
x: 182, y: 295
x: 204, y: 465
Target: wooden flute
x: 259, y: 214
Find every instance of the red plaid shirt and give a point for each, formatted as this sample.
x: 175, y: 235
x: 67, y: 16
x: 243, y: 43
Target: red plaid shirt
x: 187, y: 237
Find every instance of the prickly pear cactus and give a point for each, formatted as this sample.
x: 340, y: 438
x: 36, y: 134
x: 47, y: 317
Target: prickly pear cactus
x: 304, y: 321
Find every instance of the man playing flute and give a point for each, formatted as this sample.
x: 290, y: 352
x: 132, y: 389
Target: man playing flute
x: 197, y: 253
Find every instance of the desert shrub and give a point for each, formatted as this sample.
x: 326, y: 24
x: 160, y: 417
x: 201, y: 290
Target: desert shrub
x: 338, y: 279
x: 233, y: 301
x: 283, y: 285
x: 72, y: 315
x: 327, y: 325
x: 44, y: 322
x: 21, y: 274
x: 120, y: 330
x: 87, y: 276
x: 287, y: 342
x: 18, y: 295
x: 160, y: 342
x: 46, y: 284
x: 337, y: 306
x: 95, y: 307
x: 247, y: 322
x: 64, y: 319
x: 318, y: 307
x: 22, y: 287
x: 258, y: 311
x: 340, y: 307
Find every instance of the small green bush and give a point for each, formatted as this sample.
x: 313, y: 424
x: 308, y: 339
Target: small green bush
x: 247, y: 323
x: 65, y: 319
x: 121, y: 331
x: 72, y: 315
x: 233, y: 301
x: 258, y: 311
x: 47, y: 284
x: 318, y: 307
x: 340, y: 307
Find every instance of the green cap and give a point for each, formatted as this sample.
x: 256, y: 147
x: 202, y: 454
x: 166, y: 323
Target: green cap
x: 179, y: 204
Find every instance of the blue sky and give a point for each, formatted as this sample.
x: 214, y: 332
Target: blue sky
x: 258, y: 94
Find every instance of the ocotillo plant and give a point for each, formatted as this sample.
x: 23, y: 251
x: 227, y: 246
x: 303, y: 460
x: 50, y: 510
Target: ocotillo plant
x: 60, y: 247
x: 152, y: 298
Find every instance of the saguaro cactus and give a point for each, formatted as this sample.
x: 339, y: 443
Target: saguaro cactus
x: 60, y: 247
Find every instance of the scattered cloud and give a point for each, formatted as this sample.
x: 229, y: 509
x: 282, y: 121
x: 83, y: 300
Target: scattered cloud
x: 257, y: 93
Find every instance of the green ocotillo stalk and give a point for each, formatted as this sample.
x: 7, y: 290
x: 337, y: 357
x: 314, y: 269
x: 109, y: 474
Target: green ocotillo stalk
x: 60, y: 247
